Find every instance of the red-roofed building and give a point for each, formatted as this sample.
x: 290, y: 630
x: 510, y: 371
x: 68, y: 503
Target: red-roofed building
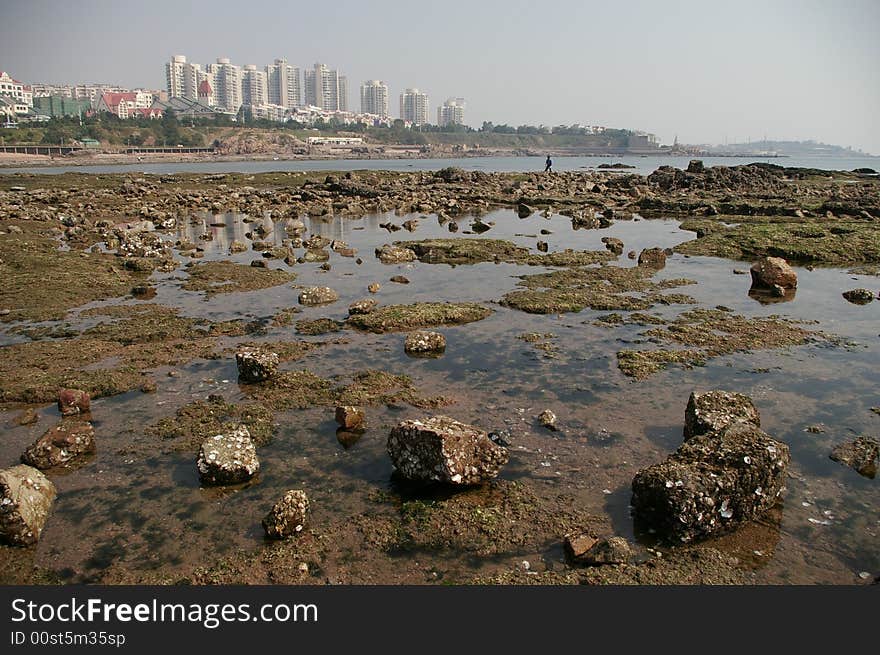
x: 124, y: 104
x: 206, y: 93
x: 148, y: 112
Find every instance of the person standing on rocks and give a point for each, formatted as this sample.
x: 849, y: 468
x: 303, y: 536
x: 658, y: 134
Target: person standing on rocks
x: 549, y: 167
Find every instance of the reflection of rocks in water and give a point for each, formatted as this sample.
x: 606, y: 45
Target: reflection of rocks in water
x: 772, y: 296
x: 144, y: 292
x: 754, y: 543
x: 348, y: 438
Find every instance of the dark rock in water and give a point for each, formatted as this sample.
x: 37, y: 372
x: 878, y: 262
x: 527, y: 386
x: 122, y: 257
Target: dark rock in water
x: 259, y: 263
x: 524, y: 211
x: 256, y: 365
x: 441, y: 449
x: 73, y: 401
x: 543, y: 246
x: 350, y: 417
x: 547, y: 419
x: 652, y: 258
x: 859, y: 296
x: 143, y: 292
x: 228, y: 458
x: 348, y: 438
x: 61, y: 444
x: 26, y: 497
x: 364, y: 306
x: 399, y: 279
x: 410, y: 225
x: 696, y: 166
x: 453, y: 226
x: 860, y: 455
x: 577, y: 545
x: 631, y: 254
x: 712, y: 411
x: 613, y: 245
x: 768, y: 272
x: 500, y: 437
x: 711, y: 483
x: 479, y: 226
x: 423, y: 341
x: 288, y: 516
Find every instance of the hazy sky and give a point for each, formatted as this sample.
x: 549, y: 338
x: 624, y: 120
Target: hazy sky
x: 703, y: 70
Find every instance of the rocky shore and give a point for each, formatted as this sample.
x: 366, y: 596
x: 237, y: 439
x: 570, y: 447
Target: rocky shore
x: 98, y: 269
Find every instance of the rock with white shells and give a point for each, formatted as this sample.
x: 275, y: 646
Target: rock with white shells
x: 228, y: 458
x: 288, y: 516
x: 26, y: 497
x: 712, y: 411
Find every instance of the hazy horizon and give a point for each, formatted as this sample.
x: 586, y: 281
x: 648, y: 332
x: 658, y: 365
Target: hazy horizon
x: 704, y: 72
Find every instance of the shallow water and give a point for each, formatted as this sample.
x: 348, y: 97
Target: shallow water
x: 138, y: 507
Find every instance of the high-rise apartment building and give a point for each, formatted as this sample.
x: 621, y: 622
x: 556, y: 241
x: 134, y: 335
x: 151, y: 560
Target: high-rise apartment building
x: 182, y: 78
x: 284, y: 85
x: 227, y: 84
x: 374, y: 98
x: 254, y: 90
x: 326, y: 88
x: 451, y: 112
x: 414, y: 106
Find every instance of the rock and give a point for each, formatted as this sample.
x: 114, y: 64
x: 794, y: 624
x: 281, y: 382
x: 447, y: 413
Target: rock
x: 374, y: 287
x: 611, y: 550
x: 288, y: 516
x: 770, y: 271
x: 256, y: 365
x: 443, y: 450
x: 26, y: 496
x: 61, y: 444
x: 543, y: 246
x: 228, y: 458
x: 389, y: 254
x: 399, y: 279
x: 364, y: 306
x: 259, y: 263
x: 859, y: 296
x: 424, y: 342
x: 696, y: 166
x: 711, y: 483
x: 27, y: 417
x: 860, y: 455
x: 712, y: 411
x: 613, y: 245
x: 317, y: 296
x: 523, y: 210
x: 350, y: 417
x: 577, y: 545
x: 652, y: 258
x: 631, y: 254
x: 547, y: 419
x: 479, y: 226
x: 316, y: 255
x: 410, y: 225
x: 73, y: 401
x: 237, y: 246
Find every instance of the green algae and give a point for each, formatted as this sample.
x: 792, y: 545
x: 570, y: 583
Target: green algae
x: 392, y: 318
x: 473, y: 251
x: 200, y: 420
x: 229, y: 277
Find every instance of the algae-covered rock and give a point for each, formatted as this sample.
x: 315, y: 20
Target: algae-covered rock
x: 769, y: 272
x: 859, y: 296
x: 443, y: 450
x: 26, y: 497
x: 256, y: 365
x: 288, y: 516
x: 73, y: 401
x: 350, y: 417
x: 317, y: 296
x: 711, y: 483
x: 392, y: 318
x: 423, y: 342
x: 395, y: 254
x: 860, y: 455
x: 61, y: 444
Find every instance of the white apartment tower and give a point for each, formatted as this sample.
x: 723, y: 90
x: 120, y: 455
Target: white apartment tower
x: 374, y: 98
x: 451, y: 112
x: 326, y: 88
x: 414, y: 106
x: 182, y: 78
x: 227, y: 84
x: 284, y: 84
x: 254, y: 90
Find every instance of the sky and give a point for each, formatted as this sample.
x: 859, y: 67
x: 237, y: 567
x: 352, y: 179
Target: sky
x: 704, y: 71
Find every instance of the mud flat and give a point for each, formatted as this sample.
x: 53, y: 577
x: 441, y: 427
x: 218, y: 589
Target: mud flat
x: 601, y: 299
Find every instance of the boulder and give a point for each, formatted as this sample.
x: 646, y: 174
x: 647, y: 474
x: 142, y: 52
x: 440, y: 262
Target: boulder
x: 364, y: 306
x: 768, y: 272
x: 26, y: 496
x: 423, y: 341
x: 613, y: 244
x: 399, y: 279
x: 288, y: 516
x: 441, y: 449
x: 523, y: 210
x: 712, y: 483
x: 860, y: 455
x: 374, y: 287
x: 652, y: 258
x: 61, y: 444
x: 859, y: 296
x: 696, y: 166
x: 228, y: 458
x: 712, y: 411
x: 317, y: 296
x: 73, y: 401
x: 389, y: 254
x: 610, y: 550
x: 350, y: 417
x: 256, y: 365
x: 237, y: 246
x: 577, y: 545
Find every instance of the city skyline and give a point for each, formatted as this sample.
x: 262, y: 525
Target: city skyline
x: 706, y: 73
